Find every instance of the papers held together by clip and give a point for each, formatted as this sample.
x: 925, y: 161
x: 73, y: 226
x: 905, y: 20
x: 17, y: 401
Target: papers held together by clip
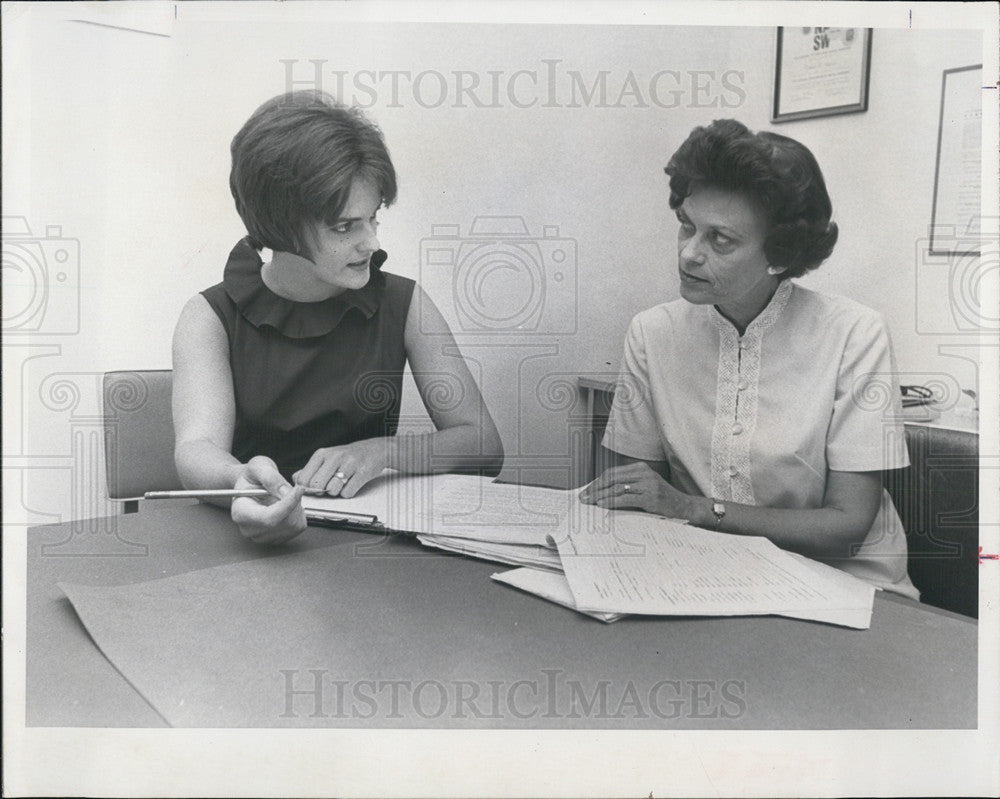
x: 344, y: 520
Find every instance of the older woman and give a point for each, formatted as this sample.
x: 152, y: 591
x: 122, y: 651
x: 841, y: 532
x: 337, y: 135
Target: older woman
x: 291, y: 367
x: 746, y: 406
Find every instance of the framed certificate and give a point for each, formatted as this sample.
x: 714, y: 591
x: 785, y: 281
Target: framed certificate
x: 955, y: 214
x: 820, y: 72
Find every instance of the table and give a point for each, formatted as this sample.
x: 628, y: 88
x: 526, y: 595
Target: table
x: 428, y: 617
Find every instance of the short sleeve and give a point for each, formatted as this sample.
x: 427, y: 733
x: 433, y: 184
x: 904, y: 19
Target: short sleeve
x: 632, y: 428
x: 866, y: 431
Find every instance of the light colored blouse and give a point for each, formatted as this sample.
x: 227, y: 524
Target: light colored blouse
x: 761, y: 419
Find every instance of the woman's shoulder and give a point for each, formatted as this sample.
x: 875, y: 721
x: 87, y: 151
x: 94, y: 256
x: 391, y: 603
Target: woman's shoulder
x: 397, y: 292
x: 397, y: 283
x: 831, y: 309
x: 666, y: 315
x: 214, y: 294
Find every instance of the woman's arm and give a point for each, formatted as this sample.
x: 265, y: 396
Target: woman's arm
x: 466, y: 439
x: 204, y: 417
x: 850, y: 503
x: 203, y: 404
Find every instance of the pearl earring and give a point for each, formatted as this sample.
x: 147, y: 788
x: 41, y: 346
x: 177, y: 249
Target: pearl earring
x: 774, y: 270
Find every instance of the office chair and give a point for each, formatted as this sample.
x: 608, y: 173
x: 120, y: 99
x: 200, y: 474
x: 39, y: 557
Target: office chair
x: 937, y: 497
x: 138, y: 435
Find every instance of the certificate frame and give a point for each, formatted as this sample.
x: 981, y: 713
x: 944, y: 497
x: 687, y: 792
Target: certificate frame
x: 828, y: 80
x: 949, y: 236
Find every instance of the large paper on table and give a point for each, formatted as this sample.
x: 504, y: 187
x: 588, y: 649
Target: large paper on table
x: 222, y: 646
x: 206, y: 648
x: 653, y: 566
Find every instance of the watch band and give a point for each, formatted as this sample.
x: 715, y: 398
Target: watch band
x: 719, y: 510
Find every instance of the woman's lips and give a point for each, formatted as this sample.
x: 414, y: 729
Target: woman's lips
x: 359, y: 265
x: 688, y: 278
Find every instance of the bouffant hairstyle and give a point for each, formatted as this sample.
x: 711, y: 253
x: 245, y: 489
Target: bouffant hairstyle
x: 294, y: 161
x: 778, y: 174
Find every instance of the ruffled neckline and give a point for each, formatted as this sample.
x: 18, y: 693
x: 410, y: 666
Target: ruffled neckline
x: 262, y: 307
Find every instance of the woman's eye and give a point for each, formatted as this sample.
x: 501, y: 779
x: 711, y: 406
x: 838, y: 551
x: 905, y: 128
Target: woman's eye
x: 344, y: 227
x: 721, y: 239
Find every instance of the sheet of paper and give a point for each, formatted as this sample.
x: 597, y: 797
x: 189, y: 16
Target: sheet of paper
x: 226, y: 646
x: 472, y: 508
x: 858, y: 616
x: 653, y: 566
x: 554, y: 587
x: 511, y: 554
x: 401, y: 502
x: 551, y: 586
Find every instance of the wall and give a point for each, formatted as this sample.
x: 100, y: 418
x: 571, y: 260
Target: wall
x: 122, y: 140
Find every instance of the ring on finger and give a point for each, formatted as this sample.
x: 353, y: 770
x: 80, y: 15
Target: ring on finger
x: 338, y: 476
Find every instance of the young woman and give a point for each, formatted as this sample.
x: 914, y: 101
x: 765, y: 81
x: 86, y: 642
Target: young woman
x: 288, y: 373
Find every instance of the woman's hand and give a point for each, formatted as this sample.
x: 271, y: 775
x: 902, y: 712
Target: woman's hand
x: 637, y: 486
x: 342, y: 471
x: 269, y: 520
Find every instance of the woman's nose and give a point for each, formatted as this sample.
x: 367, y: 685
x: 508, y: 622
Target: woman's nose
x: 691, y: 250
x: 370, y: 241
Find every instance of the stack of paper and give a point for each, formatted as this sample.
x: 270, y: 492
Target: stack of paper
x: 513, y: 524
x: 655, y: 566
x: 612, y: 563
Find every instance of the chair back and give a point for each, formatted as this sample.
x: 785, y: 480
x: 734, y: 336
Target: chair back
x: 138, y: 433
x: 937, y: 497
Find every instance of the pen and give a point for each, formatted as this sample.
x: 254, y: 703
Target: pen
x: 214, y: 493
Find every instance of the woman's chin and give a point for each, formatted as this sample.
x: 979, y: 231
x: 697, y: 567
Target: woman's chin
x: 695, y: 294
x: 356, y: 278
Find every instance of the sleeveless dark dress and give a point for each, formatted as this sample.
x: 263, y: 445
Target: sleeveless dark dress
x: 310, y: 375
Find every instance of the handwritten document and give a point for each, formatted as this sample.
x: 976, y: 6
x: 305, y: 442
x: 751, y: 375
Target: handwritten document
x: 655, y: 566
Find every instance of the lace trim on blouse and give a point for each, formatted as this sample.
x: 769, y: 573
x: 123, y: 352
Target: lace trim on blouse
x: 736, y: 399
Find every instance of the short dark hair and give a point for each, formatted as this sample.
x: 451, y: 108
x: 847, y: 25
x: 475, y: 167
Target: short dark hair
x: 778, y: 174
x: 294, y: 161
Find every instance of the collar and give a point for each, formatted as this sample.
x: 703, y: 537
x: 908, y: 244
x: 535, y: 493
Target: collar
x: 262, y: 307
x: 765, y: 318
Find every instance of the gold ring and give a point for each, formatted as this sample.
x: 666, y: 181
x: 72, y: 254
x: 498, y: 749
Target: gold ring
x: 628, y: 488
x: 341, y: 476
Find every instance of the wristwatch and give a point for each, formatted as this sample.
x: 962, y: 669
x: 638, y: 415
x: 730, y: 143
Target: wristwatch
x: 719, y: 509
